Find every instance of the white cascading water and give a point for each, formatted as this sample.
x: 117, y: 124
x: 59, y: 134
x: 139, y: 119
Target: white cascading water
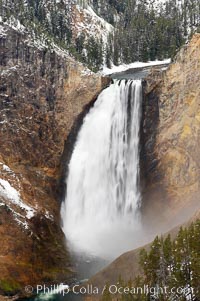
x: 100, y: 212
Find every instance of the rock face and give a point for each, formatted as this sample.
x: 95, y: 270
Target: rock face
x: 42, y: 91
x: 171, y: 132
x: 81, y: 24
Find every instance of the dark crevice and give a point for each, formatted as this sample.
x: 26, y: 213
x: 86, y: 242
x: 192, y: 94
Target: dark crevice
x: 150, y: 173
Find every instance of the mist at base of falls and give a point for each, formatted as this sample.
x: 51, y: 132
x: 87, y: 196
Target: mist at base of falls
x: 107, y: 240
x: 101, y: 212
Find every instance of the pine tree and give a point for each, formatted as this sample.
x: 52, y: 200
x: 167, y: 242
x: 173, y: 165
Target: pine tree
x: 175, y: 264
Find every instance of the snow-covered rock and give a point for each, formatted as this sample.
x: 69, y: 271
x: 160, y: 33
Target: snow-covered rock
x: 86, y: 21
x: 124, y: 67
x: 10, y: 194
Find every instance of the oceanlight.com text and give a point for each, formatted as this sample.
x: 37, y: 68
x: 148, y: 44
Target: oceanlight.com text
x: 112, y: 289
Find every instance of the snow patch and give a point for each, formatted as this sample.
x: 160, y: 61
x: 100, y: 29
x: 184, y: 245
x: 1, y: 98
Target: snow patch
x: 14, y: 24
x: 18, y: 217
x: 124, y: 67
x: 86, y: 72
x: 3, y: 33
x: 7, y: 168
x: 11, y: 194
x: 8, y: 71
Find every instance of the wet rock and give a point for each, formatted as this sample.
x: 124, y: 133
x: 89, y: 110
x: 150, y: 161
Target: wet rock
x: 171, y: 132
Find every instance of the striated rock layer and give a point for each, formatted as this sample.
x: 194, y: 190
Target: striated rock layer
x: 171, y: 135
x: 42, y: 91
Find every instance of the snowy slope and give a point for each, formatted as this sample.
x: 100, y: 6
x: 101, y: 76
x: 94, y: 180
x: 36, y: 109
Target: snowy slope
x: 85, y: 20
x: 124, y: 67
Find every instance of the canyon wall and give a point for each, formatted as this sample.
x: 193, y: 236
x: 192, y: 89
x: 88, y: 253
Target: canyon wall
x: 171, y: 134
x: 42, y: 91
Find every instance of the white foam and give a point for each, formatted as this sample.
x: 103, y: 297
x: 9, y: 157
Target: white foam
x: 101, y: 206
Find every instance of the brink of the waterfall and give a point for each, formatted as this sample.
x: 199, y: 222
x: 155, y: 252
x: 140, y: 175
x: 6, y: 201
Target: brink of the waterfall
x: 101, y: 209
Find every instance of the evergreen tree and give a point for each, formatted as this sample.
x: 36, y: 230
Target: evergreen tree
x: 174, y: 264
x: 142, y: 32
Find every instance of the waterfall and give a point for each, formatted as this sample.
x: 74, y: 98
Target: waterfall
x: 100, y: 213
